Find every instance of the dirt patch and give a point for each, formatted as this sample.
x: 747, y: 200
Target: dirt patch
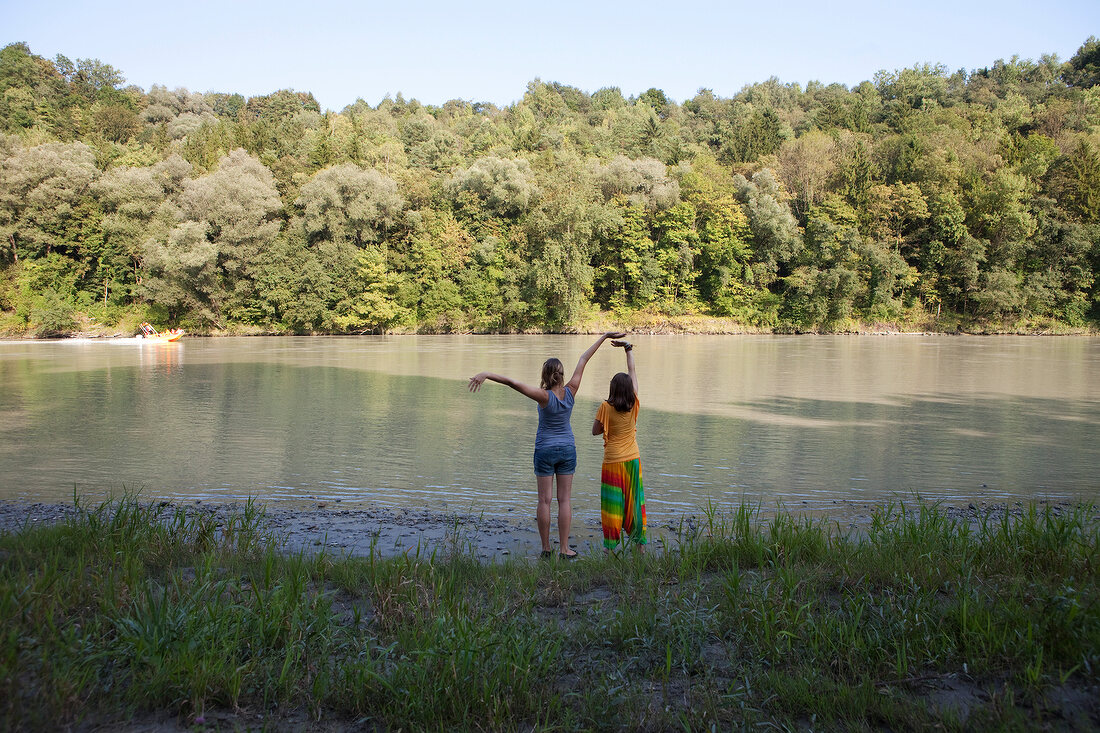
x: 951, y: 695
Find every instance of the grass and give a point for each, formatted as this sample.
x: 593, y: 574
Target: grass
x: 921, y: 620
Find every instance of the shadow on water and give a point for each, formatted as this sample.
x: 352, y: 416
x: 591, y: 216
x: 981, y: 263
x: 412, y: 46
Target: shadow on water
x: 281, y: 432
x: 817, y: 450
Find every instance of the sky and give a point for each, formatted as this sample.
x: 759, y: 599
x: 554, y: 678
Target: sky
x: 489, y: 51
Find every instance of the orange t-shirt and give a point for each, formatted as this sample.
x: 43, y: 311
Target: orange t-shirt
x: 620, y: 430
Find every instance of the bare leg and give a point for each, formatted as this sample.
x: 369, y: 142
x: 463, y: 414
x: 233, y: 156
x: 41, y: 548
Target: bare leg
x: 542, y: 514
x: 565, y: 511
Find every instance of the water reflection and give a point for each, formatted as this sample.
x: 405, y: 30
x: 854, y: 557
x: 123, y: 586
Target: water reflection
x: 389, y: 420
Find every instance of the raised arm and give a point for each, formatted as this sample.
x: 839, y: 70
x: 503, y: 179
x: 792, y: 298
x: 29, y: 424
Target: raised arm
x: 575, y: 381
x: 537, y: 394
x: 629, y: 349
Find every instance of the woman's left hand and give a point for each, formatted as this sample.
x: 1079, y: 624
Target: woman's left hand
x: 477, y: 380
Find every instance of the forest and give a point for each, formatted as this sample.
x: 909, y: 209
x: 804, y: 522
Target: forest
x: 921, y: 199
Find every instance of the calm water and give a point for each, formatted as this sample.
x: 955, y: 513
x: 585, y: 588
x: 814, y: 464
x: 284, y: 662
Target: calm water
x: 802, y: 420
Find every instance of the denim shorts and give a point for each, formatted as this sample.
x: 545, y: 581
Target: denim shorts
x: 555, y: 459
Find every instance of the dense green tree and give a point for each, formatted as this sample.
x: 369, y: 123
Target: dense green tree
x: 283, y: 104
x: 656, y: 100
x: 677, y: 251
x: 825, y: 285
x: 724, y: 274
x: 560, y: 230
x: 1076, y: 181
x: 605, y: 100
x: 208, y: 261
x: 970, y: 197
x: 757, y: 133
x: 372, y: 307
x: 775, y: 236
x: 503, y: 187
x: 115, y: 122
x: 806, y: 166
x: 130, y: 199
x: 348, y: 203
x: 1083, y: 70
x: 294, y: 290
x: 625, y: 268
x: 41, y: 189
x: 643, y: 182
x: 898, y: 214
x: 90, y: 78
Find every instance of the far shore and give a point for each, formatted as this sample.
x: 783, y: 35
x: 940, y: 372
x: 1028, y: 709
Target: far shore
x: 107, y: 336
x: 642, y: 323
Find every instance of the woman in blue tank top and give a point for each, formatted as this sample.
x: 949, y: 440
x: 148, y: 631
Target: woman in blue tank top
x: 555, y: 450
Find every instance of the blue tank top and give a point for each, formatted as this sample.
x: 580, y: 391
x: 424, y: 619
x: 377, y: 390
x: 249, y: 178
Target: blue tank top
x: 554, y: 427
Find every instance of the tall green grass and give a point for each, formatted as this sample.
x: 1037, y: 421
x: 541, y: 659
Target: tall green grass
x: 131, y: 609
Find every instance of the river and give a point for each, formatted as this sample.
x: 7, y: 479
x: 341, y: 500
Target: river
x: 802, y: 421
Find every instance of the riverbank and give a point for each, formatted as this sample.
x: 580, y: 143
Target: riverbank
x: 356, y: 532
x: 637, y: 322
x: 155, y: 617
x: 382, y: 532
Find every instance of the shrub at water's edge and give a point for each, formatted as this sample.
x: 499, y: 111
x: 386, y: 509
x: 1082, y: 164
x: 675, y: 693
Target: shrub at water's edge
x: 921, y: 620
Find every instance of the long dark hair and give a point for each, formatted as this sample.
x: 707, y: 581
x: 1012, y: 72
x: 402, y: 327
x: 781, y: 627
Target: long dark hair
x: 553, y: 373
x: 621, y: 396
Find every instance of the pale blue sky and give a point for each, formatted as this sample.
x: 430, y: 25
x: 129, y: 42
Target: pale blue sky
x: 488, y: 51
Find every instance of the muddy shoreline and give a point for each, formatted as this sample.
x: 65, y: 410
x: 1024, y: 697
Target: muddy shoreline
x: 390, y: 532
x: 358, y: 532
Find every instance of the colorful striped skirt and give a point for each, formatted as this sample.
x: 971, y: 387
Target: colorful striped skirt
x: 622, y: 503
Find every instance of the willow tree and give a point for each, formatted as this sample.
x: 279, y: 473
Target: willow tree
x: 206, y: 264
x: 504, y: 187
x: 41, y: 191
x: 775, y: 236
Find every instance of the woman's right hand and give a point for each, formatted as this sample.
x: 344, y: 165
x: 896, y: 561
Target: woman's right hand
x: 477, y: 380
x: 614, y: 334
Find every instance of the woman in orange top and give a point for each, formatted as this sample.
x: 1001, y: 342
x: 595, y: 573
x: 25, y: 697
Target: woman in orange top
x: 622, y: 497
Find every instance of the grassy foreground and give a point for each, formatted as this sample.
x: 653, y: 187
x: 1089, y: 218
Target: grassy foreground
x: 919, y: 621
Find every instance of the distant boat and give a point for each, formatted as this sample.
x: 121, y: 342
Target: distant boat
x: 149, y: 333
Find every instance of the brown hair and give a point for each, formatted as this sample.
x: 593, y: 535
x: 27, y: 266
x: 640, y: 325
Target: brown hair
x: 621, y: 396
x: 553, y: 374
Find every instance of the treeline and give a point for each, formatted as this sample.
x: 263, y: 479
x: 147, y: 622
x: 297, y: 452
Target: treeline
x: 924, y: 197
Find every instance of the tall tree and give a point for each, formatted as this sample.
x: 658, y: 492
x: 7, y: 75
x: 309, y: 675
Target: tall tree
x: 209, y: 260
x: 348, y: 203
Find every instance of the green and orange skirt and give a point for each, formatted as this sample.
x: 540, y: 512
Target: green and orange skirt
x: 622, y: 503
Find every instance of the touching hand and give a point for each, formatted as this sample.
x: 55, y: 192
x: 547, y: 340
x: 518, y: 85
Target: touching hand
x: 614, y: 334
x: 477, y: 380
x: 622, y: 344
